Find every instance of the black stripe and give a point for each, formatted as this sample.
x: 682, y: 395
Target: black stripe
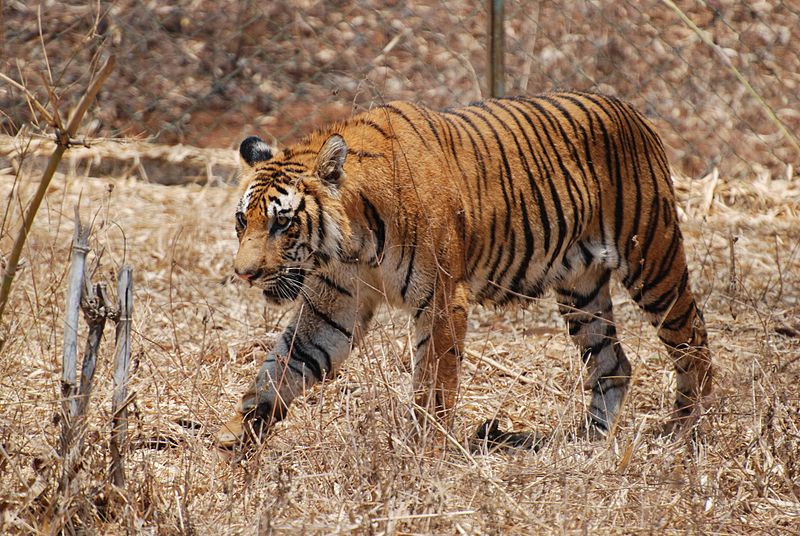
x: 426, y: 115
x: 321, y: 231
x: 291, y: 166
x: 486, y: 245
x: 569, y: 142
x: 543, y: 215
x: 504, y: 157
x: 402, y: 114
x: 581, y: 301
x: 478, y: 154
x: 544, y: 218
x: 666, y: 265
x: 597, y: 423
x: 511, y: 249
x: 365, y: 154
x: 587, y: 255
x: 664, y: 301
x: 547, y: 172
x: 423, y: 305
x: 595, y: 349
x: 288, y: 337
x: 632, y: 153
x: 587, y: 162
x: 612, y: 381
x: 326, y: 357
x: 422, y: 342
x: 588, y: 159
x: 325, y: 318
x: 373, y: 125
x: 467, y: 239
x: 678, y: 322
x: 633, y: 275
x: 613, y: 168
x: 505, y: 169
x: 375, y: 221
x: 299, y: 353
x: 409, y: 271
x: 577, y: 209
x: 335, y: 286
x: 291, y: 153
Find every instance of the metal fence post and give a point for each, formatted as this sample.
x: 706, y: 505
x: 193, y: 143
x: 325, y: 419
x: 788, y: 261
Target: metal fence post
x: 497, y: 86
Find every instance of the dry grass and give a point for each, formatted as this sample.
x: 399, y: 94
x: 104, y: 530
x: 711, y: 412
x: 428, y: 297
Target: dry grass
x: 343, y: 462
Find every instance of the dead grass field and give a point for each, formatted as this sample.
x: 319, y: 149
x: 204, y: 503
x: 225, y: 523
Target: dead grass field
x: 342, y: 461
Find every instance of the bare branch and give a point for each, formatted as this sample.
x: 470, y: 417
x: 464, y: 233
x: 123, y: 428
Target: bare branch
x: 31, y: 98
x: 62, y: 144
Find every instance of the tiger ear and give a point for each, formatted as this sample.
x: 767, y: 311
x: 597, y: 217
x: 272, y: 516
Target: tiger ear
x: 330, y: 161
x: 254, y: 149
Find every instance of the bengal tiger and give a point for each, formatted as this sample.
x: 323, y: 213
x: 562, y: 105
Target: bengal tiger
x: 492, y: 203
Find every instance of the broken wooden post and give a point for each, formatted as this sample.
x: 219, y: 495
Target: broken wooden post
x: 96, y: 307
x: 122, y: 358
x: 69, y: 383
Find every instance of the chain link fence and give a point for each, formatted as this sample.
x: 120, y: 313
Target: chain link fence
x: 720, y: 78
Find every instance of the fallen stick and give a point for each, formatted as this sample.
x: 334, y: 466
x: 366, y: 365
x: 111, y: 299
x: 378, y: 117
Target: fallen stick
x: 518, y: 376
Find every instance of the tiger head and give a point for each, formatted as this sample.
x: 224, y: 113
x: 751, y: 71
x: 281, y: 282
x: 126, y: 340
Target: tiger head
x: 290, y: 219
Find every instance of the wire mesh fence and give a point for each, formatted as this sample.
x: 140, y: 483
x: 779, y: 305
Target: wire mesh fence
x: 720, y: 78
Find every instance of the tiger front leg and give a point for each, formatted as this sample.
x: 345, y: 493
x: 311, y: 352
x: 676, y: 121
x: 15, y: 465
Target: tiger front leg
x: 288, y: 370
x: 310, y: 350
x: 439, y: 332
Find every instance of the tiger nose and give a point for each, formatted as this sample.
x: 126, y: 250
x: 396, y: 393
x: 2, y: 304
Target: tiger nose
x: 246, y: 275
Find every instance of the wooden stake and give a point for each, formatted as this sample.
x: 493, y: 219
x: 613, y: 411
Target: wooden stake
x: 69, y: 383
x: 96, y: 307
x: 122, y: 358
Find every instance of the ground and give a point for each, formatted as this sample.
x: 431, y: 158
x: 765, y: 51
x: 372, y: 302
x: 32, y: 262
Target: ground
x: 343, y: 462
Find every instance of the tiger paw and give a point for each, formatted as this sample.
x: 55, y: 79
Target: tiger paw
x: 686, y: 425
x: 590, y: 430
x: 232, y: 433
x: 249, y: 426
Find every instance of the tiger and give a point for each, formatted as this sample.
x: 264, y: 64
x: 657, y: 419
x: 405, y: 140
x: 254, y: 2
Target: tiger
x: 491, y: 204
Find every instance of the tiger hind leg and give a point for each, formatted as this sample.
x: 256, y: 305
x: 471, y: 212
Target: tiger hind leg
x: 585, y: 303
x: 440, y: 332
x: 665, y: 296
